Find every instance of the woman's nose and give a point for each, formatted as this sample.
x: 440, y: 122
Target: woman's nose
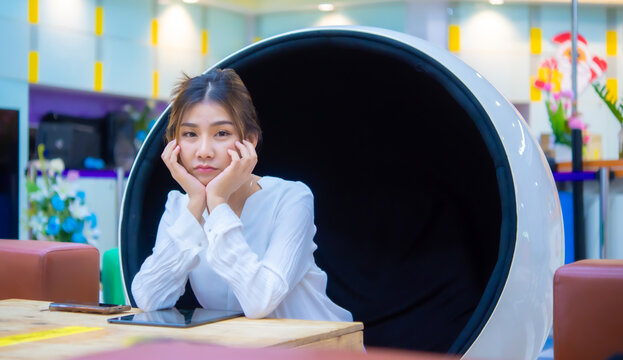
x: 205, y: 149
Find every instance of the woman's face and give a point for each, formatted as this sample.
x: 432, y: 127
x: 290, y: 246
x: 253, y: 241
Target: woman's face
x: 205, y: 134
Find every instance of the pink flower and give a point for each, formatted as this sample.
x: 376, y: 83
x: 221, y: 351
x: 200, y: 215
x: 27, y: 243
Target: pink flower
x: 547, y: 87
x: 567, y: 94
x: 72, y: 175
x: 575, y: 122
x: 556, y: 96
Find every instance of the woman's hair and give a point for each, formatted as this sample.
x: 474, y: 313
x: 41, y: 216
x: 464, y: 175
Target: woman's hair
x: 222, y: 87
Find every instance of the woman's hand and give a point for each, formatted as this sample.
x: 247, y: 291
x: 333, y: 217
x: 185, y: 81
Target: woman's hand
x: 237, y: 174
x: 191, y: 185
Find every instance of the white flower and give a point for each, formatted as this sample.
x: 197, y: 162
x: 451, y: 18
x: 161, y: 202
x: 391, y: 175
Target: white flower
x: 36, y: 224
x: 54, y: 189
x: 42, y: 187
x: 37, y: 196
x: 70, y: 190
x: 43, y: 237
x: 57, y: 165
x: 78, y: 211
x: 92, y: 241
x: 92, y: 235
x: 35, y: 164
x: 63, y: 189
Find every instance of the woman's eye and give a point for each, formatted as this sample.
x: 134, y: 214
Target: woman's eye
x: 222, y: 133
x: 188, y: 134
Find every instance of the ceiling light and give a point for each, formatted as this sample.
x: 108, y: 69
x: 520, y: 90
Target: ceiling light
x: 496, y: 2
x: 326, y: 7
x: 191, y: 1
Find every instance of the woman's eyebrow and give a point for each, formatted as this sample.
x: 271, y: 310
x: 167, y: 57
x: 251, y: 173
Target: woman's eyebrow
x: 221, y: 122
x: 216, y: 123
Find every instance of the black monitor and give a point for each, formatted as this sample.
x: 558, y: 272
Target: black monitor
x: 9, y: 158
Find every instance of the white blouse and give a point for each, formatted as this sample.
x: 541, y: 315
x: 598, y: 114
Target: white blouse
x: 261, y: 263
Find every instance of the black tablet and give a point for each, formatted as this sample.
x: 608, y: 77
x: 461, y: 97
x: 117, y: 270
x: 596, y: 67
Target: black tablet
x: 176, y: 317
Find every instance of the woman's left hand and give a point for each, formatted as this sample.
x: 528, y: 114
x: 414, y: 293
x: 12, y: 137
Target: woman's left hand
x: 237, y: 174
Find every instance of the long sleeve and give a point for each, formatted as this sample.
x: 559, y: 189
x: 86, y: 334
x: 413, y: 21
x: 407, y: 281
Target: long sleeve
x: 260, y: 285
x: 162, y: 277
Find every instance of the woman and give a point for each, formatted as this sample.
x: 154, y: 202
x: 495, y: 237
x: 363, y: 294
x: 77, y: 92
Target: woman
x: 244, y: 241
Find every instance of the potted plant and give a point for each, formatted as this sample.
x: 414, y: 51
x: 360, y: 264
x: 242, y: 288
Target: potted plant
x: 56, y: 210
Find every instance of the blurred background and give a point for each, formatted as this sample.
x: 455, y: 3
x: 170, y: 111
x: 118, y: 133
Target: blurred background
x: 87, y: 78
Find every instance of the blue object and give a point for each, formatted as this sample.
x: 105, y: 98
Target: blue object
x: 94, y: 163
x: 78, y: 238
x: 54, y: 226
x: 566, y: 204
x: 574, y: 176
x: 141, y: 135
x: 69, y: 225
x: 93, y: 220
x: 57, y: 203
x: 80, y: 195
x: 79, y: 227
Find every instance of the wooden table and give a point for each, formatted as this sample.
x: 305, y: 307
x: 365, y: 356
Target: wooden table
x: 32, y: 322
x: 616, y: 166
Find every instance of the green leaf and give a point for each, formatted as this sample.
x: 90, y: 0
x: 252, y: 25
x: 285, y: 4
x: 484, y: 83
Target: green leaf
x: 31, y: 187
x: 611, y: 103
x: 558, y: 121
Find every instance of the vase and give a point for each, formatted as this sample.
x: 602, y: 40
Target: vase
x: 562, y: 153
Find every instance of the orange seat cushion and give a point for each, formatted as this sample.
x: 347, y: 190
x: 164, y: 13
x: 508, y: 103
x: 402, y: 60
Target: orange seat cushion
x: 48, y: 270
x: 588, y: 310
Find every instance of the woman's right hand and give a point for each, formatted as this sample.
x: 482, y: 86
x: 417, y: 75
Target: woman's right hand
x: 191, y: 185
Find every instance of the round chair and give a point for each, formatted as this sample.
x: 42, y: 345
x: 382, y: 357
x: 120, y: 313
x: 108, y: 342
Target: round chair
x: 438, y: 218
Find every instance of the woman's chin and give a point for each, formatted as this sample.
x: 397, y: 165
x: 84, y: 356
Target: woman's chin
x: 204, y: 179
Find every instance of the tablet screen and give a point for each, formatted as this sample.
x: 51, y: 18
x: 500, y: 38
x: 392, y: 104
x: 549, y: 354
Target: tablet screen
x: 176, y: 317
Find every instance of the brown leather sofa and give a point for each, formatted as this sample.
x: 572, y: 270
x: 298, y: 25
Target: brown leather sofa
x: 588, y: 310
x: 48, y: 270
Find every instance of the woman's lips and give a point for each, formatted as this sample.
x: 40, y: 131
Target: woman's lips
x: 203, y: 169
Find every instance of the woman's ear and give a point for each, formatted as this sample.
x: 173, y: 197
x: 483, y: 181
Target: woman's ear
x: 252, y: 138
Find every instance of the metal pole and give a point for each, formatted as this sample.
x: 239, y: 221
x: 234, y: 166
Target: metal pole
x: 576, y: 141
x: 578, y: 198
x: 604, y: 187
x: 119, y: 196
